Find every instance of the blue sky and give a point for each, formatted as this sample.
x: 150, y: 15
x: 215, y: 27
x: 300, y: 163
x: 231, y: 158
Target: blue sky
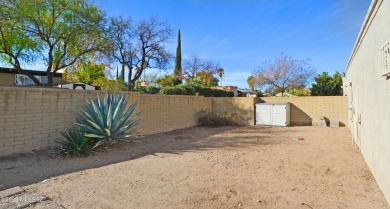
x: 241, y: 34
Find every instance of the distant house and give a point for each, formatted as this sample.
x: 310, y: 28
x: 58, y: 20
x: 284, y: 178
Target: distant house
x: 11, y: 77
x: 76, y: 86
x: 246, y: 93
x: 227, y: 88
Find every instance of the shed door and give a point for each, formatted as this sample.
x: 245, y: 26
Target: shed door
x: 279, y: 115
x: 263, y: 114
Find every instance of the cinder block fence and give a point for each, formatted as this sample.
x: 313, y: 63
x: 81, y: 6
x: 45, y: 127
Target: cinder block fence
x: 31, y: 118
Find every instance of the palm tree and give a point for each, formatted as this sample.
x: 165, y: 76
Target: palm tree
x: 251, y: 82
x: 220, y: 72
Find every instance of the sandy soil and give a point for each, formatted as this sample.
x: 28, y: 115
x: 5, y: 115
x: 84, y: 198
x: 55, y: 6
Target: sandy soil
x: 245, y: 167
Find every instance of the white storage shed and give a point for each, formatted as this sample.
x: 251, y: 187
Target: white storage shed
x: 273, y: 114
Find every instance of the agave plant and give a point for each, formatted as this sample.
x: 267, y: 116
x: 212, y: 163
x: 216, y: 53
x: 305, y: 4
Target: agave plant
x: 74, y: 144
x: 108, y: 120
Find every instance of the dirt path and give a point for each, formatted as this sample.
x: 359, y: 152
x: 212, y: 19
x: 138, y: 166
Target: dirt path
x: 246, y: 167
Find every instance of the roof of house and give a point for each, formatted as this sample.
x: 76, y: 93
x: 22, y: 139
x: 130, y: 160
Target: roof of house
x: 33, y: 72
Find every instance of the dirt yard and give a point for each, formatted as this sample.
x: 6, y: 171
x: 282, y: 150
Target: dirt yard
x: 245, y: 167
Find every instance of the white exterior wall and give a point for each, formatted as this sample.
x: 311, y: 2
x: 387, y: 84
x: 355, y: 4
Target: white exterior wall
x: 369, y: 94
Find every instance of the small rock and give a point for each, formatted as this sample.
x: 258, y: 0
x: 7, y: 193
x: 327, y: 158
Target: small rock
x: 298, y: 138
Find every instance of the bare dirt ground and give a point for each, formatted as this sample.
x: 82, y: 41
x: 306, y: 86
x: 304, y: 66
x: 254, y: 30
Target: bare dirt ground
x: 229, y: 167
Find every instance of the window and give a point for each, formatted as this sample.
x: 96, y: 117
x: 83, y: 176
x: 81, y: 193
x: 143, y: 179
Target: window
x: 386, y: 59
x: 23, y: 80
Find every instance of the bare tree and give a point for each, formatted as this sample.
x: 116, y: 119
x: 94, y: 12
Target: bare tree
x: 140, y: 47
x: 284, y: 72
x: 194, y: 65
x: 123, y: 38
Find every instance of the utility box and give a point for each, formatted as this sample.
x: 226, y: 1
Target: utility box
x: 273, y: 114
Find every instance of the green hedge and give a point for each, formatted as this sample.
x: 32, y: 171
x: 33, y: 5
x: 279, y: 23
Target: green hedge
x: 147, y: 89
x: 173, y: 90
x: 190, y: 89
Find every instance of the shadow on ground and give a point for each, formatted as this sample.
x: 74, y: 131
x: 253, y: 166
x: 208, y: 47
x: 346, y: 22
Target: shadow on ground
x: 25, y: 169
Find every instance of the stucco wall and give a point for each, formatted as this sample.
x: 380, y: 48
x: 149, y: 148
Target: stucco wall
x: 369, y: 94
x: 9, y: 80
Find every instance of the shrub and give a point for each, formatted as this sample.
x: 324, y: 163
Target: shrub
x: 205, y: 91
x: 173, y: 90
x: 222, y: 93
x: 75, y: 144
x: 107, y: 120
x: 147, y: 89
x: 190, y: 90
x: 209, y: 92
x: 209, y: 118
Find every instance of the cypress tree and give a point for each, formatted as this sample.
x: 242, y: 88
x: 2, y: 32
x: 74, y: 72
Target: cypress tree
x: 117, y: 74
x: 178, y: 70
x: 122, y: 74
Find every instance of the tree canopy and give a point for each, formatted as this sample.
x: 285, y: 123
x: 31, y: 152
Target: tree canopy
x: 58, y: 33
x: 284, y: 73
x: 139, y: 46
x: 326, y: 85
x: 202, y: 70
x: 251, y: 82
x: 86, y: 72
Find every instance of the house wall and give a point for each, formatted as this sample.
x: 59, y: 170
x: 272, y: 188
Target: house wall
x: 369, y: 94
x: 9, y: 80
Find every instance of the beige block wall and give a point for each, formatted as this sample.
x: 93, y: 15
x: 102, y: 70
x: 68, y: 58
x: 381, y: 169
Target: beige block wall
x: 306, y: 110
x: 31, y: 118
x: 303, y: 110
x: 244, y: 106
x: 165, y: 113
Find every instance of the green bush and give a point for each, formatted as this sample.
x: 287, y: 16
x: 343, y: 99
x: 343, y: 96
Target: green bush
x: 173, y: 90
x: 222, y: 93
x: 192, y: 89
x: 209, y: 118
x: 205, y: 91
x: 147, y: 89
x: 107, y: 120
x: 75, y: 143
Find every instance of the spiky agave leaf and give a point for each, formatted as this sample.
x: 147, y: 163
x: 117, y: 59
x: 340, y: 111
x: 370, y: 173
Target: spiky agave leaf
x: 107, y: 119
x: 74, y: 143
